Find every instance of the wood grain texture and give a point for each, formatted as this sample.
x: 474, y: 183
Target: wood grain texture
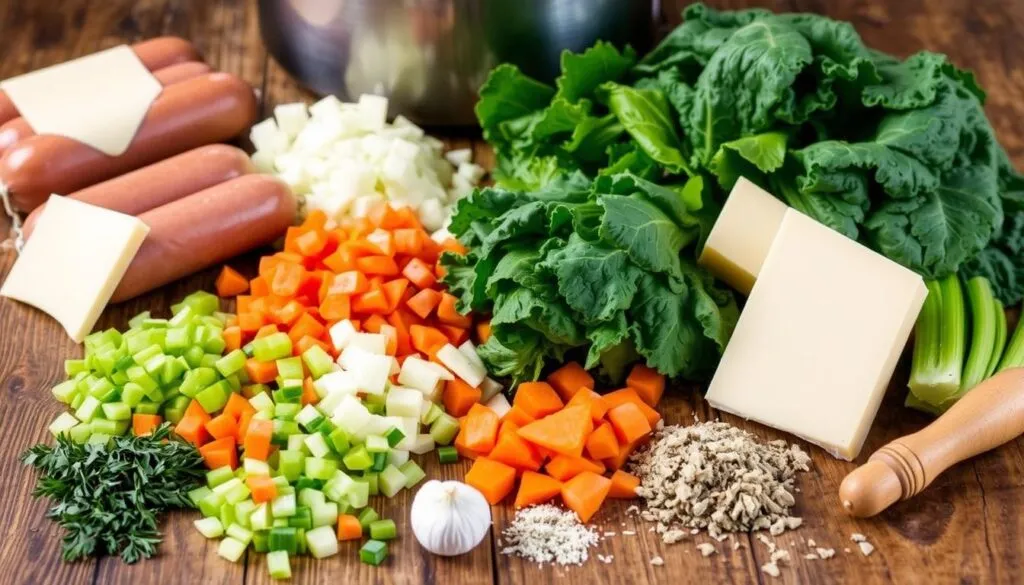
x: 966, y: 528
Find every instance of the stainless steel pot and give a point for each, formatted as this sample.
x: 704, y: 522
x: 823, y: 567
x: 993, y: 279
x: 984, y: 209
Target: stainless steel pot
x: 431, y: 56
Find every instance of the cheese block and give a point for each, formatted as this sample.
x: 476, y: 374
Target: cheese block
x: 76, y: 257
x: 742, y: 235
x: 819, y: 337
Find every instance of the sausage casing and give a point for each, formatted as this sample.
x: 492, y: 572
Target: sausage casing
x: 207, y: 228
x: 207, y: 109
x: 162, y: 182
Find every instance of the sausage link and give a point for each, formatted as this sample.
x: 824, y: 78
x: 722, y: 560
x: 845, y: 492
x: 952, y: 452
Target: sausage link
x: 212, y: 108
x: 161, y: 183
x: 154, y: 53
x: 18, y: 128
x: 207, y: 228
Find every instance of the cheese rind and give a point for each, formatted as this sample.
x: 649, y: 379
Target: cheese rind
x: 70, y: 267
x: 742, y: 235
x: 819, y: 337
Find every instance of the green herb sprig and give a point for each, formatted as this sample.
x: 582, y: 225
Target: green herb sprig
x: 108, y: 498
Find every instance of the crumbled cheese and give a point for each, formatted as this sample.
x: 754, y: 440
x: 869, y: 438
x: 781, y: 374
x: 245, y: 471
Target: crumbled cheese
x: 546, y: 534
x: 770, y: 569
x: 606, y: 559
x: 811, y: 557
x: 717, y: 477
x: 628, y: 533
x: 866, y: 548
x: 811, y: 543
x: 706, y: 549
x: 858, y: 537
x: 672, y: 536
x: 657, y: 561
x: 825, y: 553
x: 780, y: 555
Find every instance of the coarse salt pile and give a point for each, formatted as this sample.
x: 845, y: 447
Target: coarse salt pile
x: 714, y: 476
x: 547, y: 534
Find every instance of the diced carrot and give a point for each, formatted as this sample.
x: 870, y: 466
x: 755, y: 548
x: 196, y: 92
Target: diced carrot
x: 391, y: 334
x: 394, y: 290
x: 383, y: 240
x: 602, y: 443
x: 427, y: 339
x: 424, y: 302
x: 309, y: 395
x: 258, y: 287
x: 494, y: 480
x: 460, y: 442
x: 564, y: 432
x: 419, y: 273
x: 289, y: 313
x: 623, y: 485
x: 384, y: 216
x: 373, y: 322
x: 371, y: 301
x: 340, y: 260
x: 232, y: 338
x: 569, y: 379
x: 377, y: 265
x: 250, y: 322
x: 335, y: 307
x: 591, y: 400
x: 481, y: 428
x: 519, y: 416
x: 144, y: 424
x: 260, y: 372
x: 236, y: 406
x: 262, y: 487
x: 536, y: 488
x: 257, y: 439
x: 453, y: 245
x: 193, y: 430
x: 306, y: 325
x: 507, y: 427
x: 268, y: 329
x: 613, y: 399
x: 629, y: 422
x: 401, y: 324
x: 220, y: 453
x: 243, y: 426
x: 456, y: 335
x: 311, y: 243
x: 483, y: 331
x: 242, y: 303
x: 459, y: 397
x: 307, y: 342
x: 195, y: 410
x: 537, y: 399
x: 449, y: 315
x: 287, y: 279
x: 585, y: 493
x: 349, y: 527
x: 230, y: 283
x: 563, y: 467
x: 647, y: 382
x: 222, y: 425
x: 349, y: 283
x: 625, y: 450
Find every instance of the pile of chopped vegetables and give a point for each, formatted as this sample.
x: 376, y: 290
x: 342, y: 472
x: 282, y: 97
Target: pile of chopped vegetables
x: 564, y: 427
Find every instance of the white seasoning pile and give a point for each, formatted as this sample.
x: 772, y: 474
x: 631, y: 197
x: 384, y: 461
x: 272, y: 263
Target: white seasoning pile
x: 546, y: 534
x: 714, y: 476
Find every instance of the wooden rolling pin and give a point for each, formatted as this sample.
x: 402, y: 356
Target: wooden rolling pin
x: 986, y: 417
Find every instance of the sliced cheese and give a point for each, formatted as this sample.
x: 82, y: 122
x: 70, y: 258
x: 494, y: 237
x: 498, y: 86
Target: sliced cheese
x: 819, y: 337
x: 76, y: 257
x: 742, y: 235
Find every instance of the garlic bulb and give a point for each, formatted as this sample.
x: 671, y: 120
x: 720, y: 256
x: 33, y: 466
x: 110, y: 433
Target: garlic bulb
x: 449, y: 517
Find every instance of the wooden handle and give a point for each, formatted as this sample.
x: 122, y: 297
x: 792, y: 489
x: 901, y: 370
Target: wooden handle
x: 986, y: 417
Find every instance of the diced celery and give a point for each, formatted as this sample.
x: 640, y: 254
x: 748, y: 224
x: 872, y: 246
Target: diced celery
x: 287, y: 410
x: 283, y: 506
x: 413, y: 473
x: 132, y: 394
x: 303, y: 518
x: 175, y: 409
x: 320, y: 468
x: 231, y: 549
x: 380, y: 461
x: 98, y: 438
x: 243, y: 513
x: 284, y: 538
x: 309, y: 415
x: 278, y: 522
x: 177, y: 340
x: 285, y: 428
x: 216, y: 477
x: 172, y: 370
x: 209, y: 527
x: 262, y: 401
x: 424, y: 443
x: 272, y: 347
x: 359, y: 494
x: 113, y: 428
x: 102, y: 389
x: 231, y: 363
x: 201, y: 303
x: 239, y: 533
x: 383, y: 530
x: 227, y: 485
x: 65, y: 391
x: 318, y: 361
x: 322, y: 542
x: 277, y: 564
x: 391, y: 481
x: 444, y: 429
x: 357, y: 459
x: 74, y: 367
x: 210, y: 505
x: 317, y: 445
x: 64, y: 422
x: 209, y: 360
x: 227, y: 514
x: 433, y: 411
x: 375, y: 409
x: 300, y: 541
x: 117, y: 411
x: 447, y: 454
x: 324, y: 514
x: 297, y: 443
x: 80, y: 434
x: 197, y: 380
x: 77, y: 401
x: 260, y: 519
x: 259, y: 541
x: 155, y: 365
x: 374, y: 552
x: 197, y: 495
x: 310, y: 497
x: 376, y: 444
x: 255, y: 467
x: 367, y: 517
x: 194, y: 356
x: 394, y: 436
x: 148, y: 408
x: 214, y: 397
x: 290, y: 391
x: 339, y: 441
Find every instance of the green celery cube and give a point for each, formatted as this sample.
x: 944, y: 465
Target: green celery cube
x: 210, y: 505
x: 283, y: 538
x: 339, y: 441
x: 88, y: 410
x: 318, y: 361
x: 374, y: 552
x: 197, y: 495
x: 73, y: 367
x: 132, y: 394
x: 214, y: 397
x: 65, y: 391
x: 413, y: 473
x: 194, y: 356
x: 357, y: 459
x: 290, y: 464
x: 148, y: 408
x: 376, y: 444
x: 366, y: 517
x: 117, y: 411
x: 272, y: 347
x: 290, y: 368
x: 231, y: 363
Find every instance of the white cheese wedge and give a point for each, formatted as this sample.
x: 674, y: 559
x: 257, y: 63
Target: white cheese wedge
x: 819, y: 337
x: 75, y: 259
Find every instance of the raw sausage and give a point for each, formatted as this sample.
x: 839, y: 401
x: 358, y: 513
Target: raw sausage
x: 16, y: 129
x: 206, y: 228
x: 154, y: 53
x: 212, y: 108
x: 161, y: 183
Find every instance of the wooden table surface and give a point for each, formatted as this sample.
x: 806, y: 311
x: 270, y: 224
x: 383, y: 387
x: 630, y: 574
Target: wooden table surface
x: 966, y: 528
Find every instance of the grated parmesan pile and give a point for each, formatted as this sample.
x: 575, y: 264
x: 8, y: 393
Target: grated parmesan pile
x: 546, y: 534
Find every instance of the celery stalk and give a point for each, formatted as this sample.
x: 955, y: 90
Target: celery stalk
x: 1014, y: 355
x: 936, y: 370
x: 983, y: 333
x: 1000, y: 338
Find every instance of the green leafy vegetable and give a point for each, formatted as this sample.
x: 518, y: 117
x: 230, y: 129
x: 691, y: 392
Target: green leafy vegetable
x: 108, y: 498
